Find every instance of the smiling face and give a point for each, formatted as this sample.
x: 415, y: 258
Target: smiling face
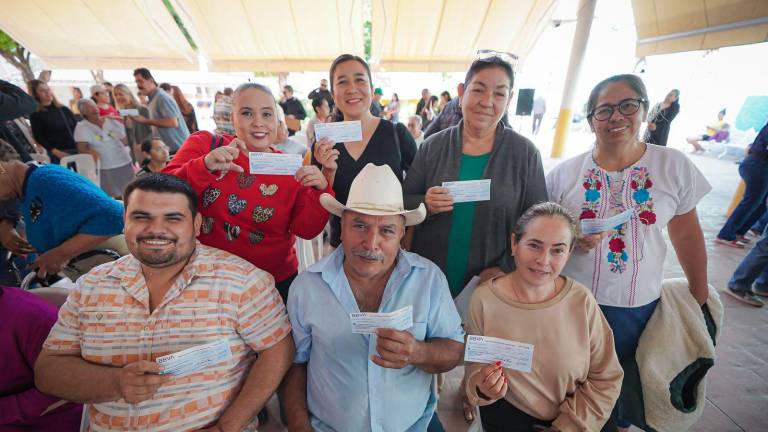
x: 542, y: 250
x: 486, y: 98
x: 352, y: 89
x: 254, y: 119
x: 121, y: 99
x: 160, y: 230
x: 101, y: 97
x: 371, y: 243
x: 619, y: 129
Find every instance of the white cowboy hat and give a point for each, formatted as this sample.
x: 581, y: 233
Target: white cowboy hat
x: 375, y: 191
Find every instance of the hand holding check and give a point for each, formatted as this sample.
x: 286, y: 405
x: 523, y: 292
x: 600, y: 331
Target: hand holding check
x: 326, y: 154
x: 139, y: 381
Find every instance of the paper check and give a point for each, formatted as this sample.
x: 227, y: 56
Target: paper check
x: 487, y: 349
x: 128, y: 112
x: 340, y: 132
x: 195, y: 358
x: 368, y: 322
x: 594, y: 226
x: 274, y: 163
x: 469, y: 190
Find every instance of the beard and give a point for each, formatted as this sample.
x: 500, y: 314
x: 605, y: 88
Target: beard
x: 161, y: 258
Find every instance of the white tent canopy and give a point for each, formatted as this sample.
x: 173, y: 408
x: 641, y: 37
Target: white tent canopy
x: 665, y: 26
x: 444, y: 35
x: 98, y: 34
x: 273, y: 36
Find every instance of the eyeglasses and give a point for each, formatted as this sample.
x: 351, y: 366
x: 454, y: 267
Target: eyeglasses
x: 489, y: 54
x: 626, y: 107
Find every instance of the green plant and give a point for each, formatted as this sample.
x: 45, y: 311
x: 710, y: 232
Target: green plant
x: 16, y: 55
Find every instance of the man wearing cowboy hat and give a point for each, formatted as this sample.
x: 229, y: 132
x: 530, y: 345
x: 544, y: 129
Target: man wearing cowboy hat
x: 346, y: 381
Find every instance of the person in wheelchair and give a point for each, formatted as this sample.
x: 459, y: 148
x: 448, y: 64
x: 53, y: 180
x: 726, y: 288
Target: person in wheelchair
x: 65, y: 215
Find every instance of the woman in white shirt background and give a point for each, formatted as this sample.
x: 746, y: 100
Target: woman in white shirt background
x: 624, y: 266
x: 104, y: 138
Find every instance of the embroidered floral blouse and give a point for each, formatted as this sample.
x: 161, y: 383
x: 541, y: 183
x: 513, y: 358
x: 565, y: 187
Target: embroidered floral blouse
x: 252, y: 216
x: 627, y: 268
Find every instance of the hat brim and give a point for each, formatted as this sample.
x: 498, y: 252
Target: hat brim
x: 412, y: 217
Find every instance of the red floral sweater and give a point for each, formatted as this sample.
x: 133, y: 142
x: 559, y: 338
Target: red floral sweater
x: 253, y: 216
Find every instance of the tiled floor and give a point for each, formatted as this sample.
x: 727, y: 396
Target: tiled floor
x: 737, y: 386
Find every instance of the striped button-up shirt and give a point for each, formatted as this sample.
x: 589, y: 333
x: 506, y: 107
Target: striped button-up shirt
x: 107, y: 320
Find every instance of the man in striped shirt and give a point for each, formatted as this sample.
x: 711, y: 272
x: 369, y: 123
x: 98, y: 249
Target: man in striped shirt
x: 170, y: 294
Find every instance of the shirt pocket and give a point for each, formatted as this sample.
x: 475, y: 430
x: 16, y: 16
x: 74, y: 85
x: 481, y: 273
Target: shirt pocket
x: 103, y: 333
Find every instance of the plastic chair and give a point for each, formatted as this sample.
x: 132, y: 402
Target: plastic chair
x: 84, y: 165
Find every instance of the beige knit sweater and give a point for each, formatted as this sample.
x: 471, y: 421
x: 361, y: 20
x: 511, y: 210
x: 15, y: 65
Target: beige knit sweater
x: 575, y: 377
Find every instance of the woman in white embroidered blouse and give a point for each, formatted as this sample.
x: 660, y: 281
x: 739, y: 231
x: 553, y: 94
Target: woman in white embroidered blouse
x: 624, y: 266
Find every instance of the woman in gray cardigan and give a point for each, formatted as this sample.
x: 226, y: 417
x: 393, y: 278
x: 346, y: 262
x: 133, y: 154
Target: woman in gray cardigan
x: 472, y: 238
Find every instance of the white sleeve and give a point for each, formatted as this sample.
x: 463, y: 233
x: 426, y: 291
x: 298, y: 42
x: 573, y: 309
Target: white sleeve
x: 81, y: 133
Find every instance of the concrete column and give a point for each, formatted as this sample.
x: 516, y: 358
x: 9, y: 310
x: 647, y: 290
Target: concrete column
x: 583, y: 25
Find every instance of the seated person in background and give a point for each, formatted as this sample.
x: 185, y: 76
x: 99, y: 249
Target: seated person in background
x: 343, y: 381
x: 284, y: 142
x: 27, y: 319
x: 101, y: 96
x: 575, y: 377
x: 414, y: 126
x: 155, y: 154
x: 65, y: 214
x: 712, y: 130
x: 322, y: 111
x: 171, y: 293
x: 104, y: 138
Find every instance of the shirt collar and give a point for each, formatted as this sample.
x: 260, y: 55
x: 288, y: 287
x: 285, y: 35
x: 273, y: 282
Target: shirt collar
x: 332, y: 271
x: 128, y: 270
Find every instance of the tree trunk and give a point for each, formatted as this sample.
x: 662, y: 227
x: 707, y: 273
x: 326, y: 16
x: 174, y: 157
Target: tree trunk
x: 98, y: 75
x: 19, y: 58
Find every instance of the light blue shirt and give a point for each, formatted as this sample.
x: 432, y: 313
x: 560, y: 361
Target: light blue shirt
x: 161, y: 105
x: 346, y: 391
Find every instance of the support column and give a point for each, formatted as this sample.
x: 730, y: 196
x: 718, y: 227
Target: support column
x: 583, y: 25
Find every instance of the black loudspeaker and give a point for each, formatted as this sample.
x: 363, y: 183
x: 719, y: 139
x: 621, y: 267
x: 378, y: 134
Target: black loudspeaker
x: 524, y: 102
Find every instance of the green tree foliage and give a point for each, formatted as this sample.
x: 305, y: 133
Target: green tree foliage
x: 16, y: 55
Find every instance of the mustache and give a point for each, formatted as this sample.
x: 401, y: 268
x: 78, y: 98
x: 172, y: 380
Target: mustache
x: 371, y: 255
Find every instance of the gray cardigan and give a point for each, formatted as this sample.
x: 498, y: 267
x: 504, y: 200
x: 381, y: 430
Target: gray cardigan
x: 517, y: 182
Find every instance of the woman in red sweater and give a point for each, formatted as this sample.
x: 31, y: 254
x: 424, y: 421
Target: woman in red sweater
x: 254, y: 216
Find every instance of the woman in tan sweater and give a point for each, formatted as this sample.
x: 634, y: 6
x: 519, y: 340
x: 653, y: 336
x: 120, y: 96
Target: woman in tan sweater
x: 575, y: 376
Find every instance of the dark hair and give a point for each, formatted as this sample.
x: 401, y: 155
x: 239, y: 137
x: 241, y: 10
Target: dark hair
x: 33, y: 85
x: 633, y: 81
x: 162, y: 183
x: 316, y: 102
x: 288, y: 88
x: 490, y: 62
x: 722, y: 112
x: 228, y: 91
x: 337, y: 115
x: 144, y: 73
x: 447, y: 95
x: 544, y: 209
x: 166, y: 87
x: 395, y: 97
x: 80, y: 92
x: 107, y: 83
